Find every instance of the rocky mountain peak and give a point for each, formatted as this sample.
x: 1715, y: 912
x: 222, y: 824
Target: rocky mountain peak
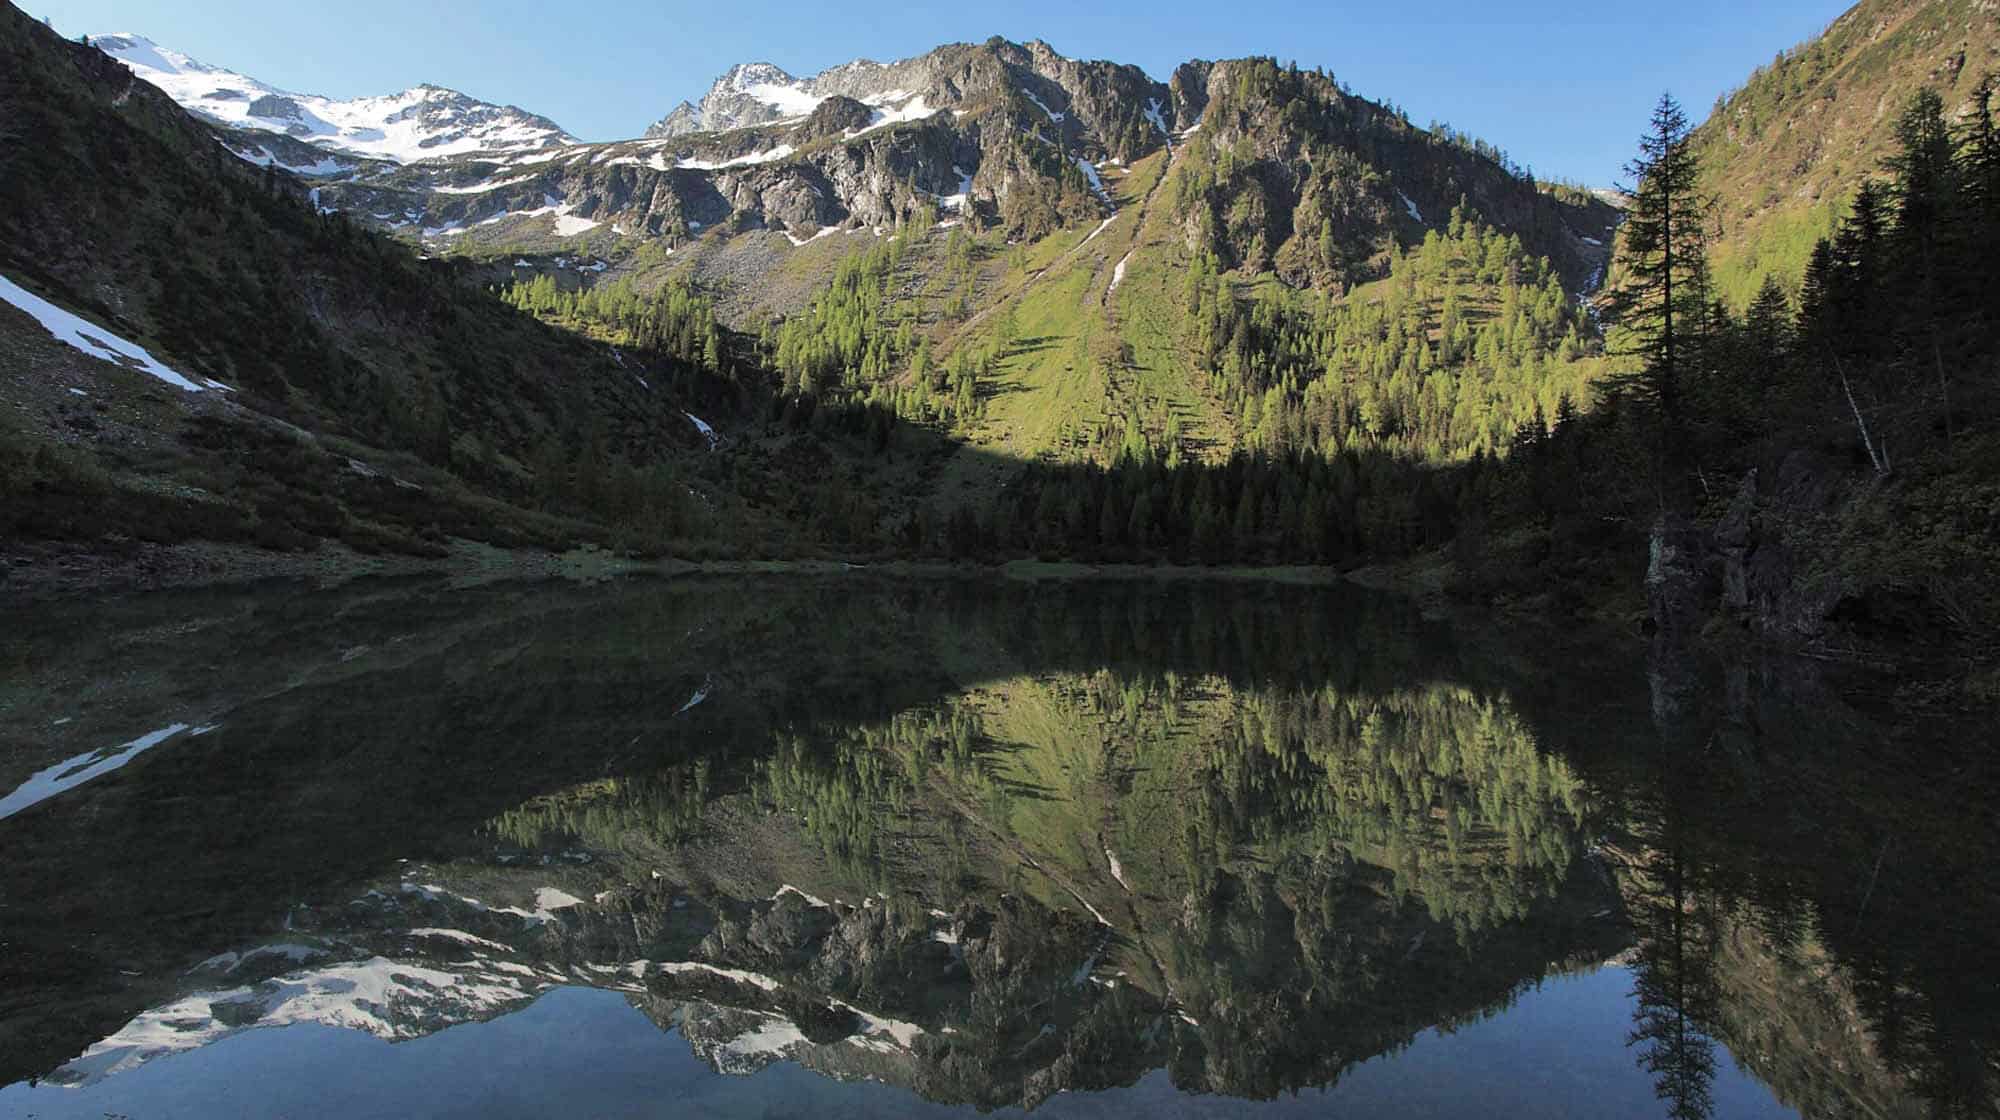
x: 745, y: 75
x: 421, y: 122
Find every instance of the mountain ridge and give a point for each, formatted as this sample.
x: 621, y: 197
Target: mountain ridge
x: 421, y: 122
x: 1784, y: 152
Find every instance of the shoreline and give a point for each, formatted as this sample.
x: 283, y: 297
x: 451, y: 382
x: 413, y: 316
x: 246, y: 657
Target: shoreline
x: 51, y: 573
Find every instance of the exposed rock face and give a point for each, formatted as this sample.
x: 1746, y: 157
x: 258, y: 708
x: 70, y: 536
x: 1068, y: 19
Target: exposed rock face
x: 275, y: 107
x: 1678, y: 587
x: 1766, y: 583
x: 1732, y: 539
x: 1103, y: 100
x: 834, y: 117
x: 1189, y: 90
x: 1772, y: 564
x: 683, y: 119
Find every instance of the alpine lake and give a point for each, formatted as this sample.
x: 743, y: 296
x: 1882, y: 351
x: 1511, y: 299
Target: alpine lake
x: 846, y: 846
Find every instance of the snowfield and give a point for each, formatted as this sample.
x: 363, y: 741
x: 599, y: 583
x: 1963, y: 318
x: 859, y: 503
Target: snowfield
x: 418, y: 123
x: 319, y: 169
x: 382, y: 997
x: 915, y: 110
x: 797, y: 241
x: 1089, y: 170
x: 95, y: 340
x: 482, y: 188
x: 777, y: 153
x: 73, y: 772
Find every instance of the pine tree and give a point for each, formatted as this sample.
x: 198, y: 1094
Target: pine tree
x: 1663, y: 301
x: 1763, y: 358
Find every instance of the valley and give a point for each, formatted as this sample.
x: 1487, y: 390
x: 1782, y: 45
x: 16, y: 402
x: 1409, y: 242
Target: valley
x: 986, y: 303
x: 997, y: 581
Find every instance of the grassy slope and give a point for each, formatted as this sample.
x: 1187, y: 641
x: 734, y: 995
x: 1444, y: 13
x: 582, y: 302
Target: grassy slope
x: 1051, y: 398
x: 1784, y: 153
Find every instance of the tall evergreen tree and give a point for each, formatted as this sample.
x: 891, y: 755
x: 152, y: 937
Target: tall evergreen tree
x: 1663, y: 300
x: 1846, y: 332
x: 1980, y: 183
x: 1925, y: 196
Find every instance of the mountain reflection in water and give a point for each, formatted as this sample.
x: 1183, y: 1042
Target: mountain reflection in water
x: 977, y: 845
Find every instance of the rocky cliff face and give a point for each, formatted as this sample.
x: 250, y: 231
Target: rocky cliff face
x: 1785, y: 562
x: 1099, y: 101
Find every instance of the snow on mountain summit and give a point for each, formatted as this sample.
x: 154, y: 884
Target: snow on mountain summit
x: 761, y: 93
x: 419, y: 123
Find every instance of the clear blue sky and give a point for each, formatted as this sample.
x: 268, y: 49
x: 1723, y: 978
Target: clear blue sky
x: 1563, y: 87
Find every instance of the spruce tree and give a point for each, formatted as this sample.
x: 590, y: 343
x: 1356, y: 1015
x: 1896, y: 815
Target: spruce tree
x: 1925, y: 194
x: 1662, y: 302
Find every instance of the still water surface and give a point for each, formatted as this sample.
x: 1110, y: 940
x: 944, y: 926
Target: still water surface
x: 741, y: 847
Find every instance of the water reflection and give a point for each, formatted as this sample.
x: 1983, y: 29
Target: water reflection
x: 988, y: 844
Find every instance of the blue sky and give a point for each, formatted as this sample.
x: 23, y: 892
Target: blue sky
x: 1563, y: 87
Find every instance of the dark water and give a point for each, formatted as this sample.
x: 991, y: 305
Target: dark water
x: 853, y: 848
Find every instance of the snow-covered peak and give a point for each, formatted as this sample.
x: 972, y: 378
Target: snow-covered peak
x: 142, y: 53
x: 745, y: 76
x: 753, y: 93
x: 422, y: 122
x: 749, y: 93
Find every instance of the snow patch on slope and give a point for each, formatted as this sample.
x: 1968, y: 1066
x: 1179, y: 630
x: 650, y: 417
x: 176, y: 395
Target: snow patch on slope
x: 548, y: 900
x: 73, y: 772
x: 388, y: 999
x: 916, y: 110
x: 1089, y: 170
x: 93, y: 339
x: 482, y: 188
x: 796, y: 240
x: 707, y: 433
x: 957, y: 201
x: 777, y: 153
x: 319, y: 169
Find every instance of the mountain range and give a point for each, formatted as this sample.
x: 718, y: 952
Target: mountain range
x: 423, y: 122
x: 774, y: 152
x: 988, y: 300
